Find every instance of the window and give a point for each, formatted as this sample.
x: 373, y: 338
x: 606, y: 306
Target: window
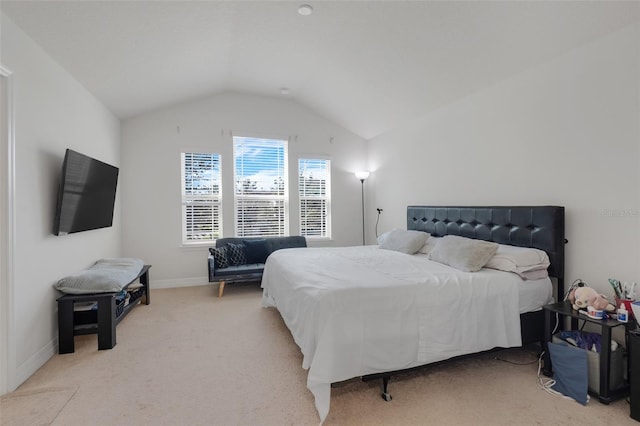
x: 315, y: 197
x: 261, y: 187
x: 201, y: 197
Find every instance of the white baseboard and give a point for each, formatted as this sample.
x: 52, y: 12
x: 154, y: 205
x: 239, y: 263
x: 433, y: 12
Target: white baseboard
x: 179, y: 282
x: 29, y: 367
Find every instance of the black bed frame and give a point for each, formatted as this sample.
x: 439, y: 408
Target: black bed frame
x: 540, y: 227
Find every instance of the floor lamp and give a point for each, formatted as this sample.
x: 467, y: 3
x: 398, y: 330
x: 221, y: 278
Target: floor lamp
x: 362, y: 176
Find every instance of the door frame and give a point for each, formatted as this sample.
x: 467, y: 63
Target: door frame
x: 7, y: 235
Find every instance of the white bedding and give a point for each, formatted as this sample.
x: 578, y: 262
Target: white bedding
x: 355, y: 311
x: 534, y: 294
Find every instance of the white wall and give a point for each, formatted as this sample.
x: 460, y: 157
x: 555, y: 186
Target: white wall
x: 150, y: 173
x: 52, y: 112
x: 565, y: 133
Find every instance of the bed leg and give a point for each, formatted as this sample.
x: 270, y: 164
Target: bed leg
x: 385, y: 391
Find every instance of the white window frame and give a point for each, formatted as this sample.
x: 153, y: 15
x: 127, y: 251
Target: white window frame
x: 304, y: 170
x: 266, y: 191
x: 202, y: 197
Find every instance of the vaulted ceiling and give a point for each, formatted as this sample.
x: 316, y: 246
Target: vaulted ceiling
x: 366, y: 65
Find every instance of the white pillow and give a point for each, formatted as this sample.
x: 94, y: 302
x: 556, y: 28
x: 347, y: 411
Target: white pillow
x: 384, y: 236
x: 535, y: 274
x: 462, y: 253
x: 520, y: 260
x: 403, y: 241
x: 429, y: 244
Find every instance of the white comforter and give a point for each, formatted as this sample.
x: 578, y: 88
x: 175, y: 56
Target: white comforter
x: 355, y: 311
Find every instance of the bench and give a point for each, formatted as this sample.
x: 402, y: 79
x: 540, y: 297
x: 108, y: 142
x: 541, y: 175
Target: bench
x: 111, y: 309
x: 245, y: 258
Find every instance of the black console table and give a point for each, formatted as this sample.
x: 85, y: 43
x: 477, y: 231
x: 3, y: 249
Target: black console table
x: 564, y: 309
x: 103, y: 320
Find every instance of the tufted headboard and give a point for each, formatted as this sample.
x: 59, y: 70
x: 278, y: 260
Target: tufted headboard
x: 540, y: 227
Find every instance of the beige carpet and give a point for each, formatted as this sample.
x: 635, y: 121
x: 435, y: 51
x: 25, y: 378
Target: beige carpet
x: 191, y: 358
x: 35, y: 407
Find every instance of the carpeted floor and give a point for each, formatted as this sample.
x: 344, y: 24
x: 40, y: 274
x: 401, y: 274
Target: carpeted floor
x: 191, y: 358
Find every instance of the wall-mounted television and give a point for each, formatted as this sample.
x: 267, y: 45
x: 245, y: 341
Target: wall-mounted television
x: 87, y: 194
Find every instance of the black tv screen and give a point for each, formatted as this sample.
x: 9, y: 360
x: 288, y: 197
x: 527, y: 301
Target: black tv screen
x: 87, y: 194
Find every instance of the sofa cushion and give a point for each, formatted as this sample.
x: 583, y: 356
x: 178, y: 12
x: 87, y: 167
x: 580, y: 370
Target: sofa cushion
x: 220, y: 256
x: 257, y: 250
x: 251, y: 268
x: 237, y: 254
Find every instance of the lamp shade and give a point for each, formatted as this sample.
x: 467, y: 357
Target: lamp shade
x: 362, y: 175
x: 305, y: 10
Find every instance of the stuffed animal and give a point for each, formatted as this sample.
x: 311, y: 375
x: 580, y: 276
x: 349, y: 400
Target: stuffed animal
x: 582, y: 297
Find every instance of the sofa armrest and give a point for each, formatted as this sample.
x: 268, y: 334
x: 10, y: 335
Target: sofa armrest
x: 211, y: 263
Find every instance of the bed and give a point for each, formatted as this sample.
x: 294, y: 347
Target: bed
x: 364, y: 311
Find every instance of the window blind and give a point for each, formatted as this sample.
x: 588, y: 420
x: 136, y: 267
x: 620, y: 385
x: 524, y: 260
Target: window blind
x: 201, y: 197
x: 261, y: 187
x: 314, y: 195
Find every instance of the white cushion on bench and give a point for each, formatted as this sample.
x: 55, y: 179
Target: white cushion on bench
x: 105, y: 276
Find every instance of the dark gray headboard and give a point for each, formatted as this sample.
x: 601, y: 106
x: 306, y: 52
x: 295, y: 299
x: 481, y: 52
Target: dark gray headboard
x: 540, y: 227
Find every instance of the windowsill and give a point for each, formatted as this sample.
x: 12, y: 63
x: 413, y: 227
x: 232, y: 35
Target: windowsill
x: 212, y: 243
x: 320, y: 242
x: 198, y: 245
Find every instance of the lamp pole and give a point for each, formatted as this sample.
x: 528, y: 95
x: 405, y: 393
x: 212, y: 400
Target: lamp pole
x: 362, y: 190
x: 362, y: 176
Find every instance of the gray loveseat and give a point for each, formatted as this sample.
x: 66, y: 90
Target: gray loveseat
x: 242, y: 259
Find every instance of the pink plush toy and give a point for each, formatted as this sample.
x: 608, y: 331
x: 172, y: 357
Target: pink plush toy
x: 581, y: 297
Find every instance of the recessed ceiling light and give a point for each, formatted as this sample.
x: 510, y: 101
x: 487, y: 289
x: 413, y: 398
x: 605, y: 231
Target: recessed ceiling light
x: 284, y: 91
x: 305, y: 10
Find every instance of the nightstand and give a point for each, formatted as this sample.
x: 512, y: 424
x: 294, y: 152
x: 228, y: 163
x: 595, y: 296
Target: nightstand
x: 564, y: 309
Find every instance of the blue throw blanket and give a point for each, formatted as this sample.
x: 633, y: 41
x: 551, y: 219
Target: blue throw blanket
x: 582, y: 339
